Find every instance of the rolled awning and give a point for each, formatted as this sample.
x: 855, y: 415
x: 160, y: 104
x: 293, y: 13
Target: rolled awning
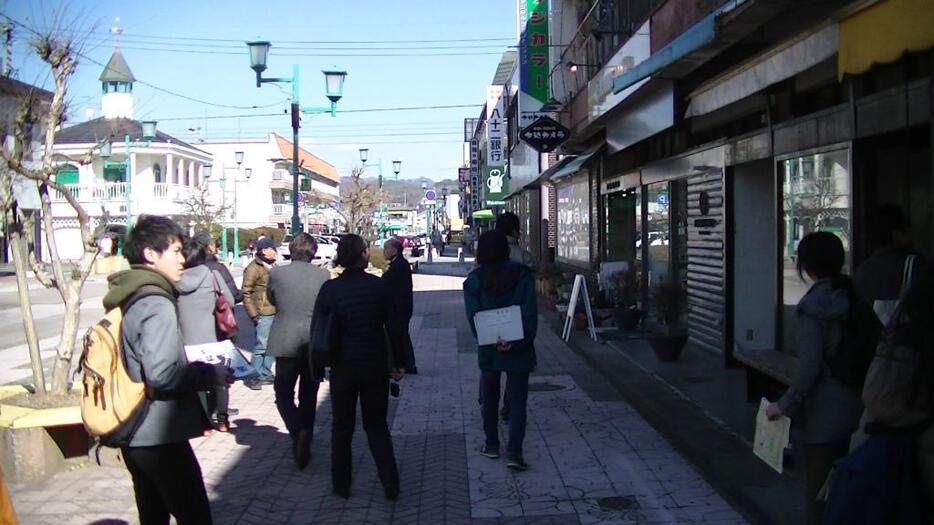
x: 483, y: 214
x: 576, y: 163
x: 882, y: 33
x: 774, y: 66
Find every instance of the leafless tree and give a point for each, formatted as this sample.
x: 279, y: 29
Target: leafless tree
x: 359, y: 200
x: 57, y: 47
x: 199, y: 209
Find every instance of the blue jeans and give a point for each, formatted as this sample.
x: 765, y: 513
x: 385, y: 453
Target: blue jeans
x: 260, y: 361
x: 517, y: 392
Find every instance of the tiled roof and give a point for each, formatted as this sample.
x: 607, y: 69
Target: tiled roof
x: 306, y: 160
x: 13, y: 87
x: 100, y: 128
x: 117, y: 70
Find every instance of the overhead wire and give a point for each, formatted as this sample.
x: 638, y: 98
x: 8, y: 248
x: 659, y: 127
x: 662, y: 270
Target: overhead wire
x: 153, y: 86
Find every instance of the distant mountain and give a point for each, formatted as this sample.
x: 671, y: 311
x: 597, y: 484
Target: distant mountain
x: 409, y: 192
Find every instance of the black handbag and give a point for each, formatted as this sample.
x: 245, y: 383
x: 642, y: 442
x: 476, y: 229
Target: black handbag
x: 324, y: 335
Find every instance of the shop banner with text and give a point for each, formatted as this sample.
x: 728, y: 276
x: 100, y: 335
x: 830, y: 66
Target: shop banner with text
x: 533, y: 59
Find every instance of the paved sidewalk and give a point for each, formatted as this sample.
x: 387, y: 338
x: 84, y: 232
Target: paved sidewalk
x: 593, y: 459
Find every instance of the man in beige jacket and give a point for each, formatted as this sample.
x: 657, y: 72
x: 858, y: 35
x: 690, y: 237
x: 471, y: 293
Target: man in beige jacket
x: 260, y: 309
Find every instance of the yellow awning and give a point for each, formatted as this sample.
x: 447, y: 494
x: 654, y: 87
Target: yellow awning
x: 883, y: 32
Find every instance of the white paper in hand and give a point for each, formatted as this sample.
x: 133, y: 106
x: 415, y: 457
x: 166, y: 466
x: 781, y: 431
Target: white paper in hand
x: 218, y: 353
x: 771, y: 438
x: 501, y: 323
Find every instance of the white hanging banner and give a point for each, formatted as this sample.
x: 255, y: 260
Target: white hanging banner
x: 494, y: 126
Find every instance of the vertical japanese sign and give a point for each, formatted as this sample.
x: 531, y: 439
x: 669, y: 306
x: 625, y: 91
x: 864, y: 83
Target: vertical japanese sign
x: 495, y: 185
x: 474, y: 173
x: 494, y: 126
x: 534, y: 80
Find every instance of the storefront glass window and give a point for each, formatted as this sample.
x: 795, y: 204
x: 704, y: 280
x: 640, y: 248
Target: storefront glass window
x: 574, y: 222
x: 621, y: 233
x: 659, y: 233
x: 815, y: 197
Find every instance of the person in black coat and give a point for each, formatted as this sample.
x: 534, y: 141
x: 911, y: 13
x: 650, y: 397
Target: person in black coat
x: 365, y: 359
x: 399, y: 278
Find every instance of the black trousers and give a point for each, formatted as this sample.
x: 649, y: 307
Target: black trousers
x: 289, y: 371
x: 371, y: 385
x: 818, y: 461
x: 167, y: 480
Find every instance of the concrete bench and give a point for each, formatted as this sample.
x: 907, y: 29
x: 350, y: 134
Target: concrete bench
x: 767, y: 371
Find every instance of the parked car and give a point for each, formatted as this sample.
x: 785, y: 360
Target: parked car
x: 283, y: 248
x: 327, y: 249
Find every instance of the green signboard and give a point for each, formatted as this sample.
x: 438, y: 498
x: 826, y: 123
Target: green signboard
x: 535, y: 44
x: 495, y: 185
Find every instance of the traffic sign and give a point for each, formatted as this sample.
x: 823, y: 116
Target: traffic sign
x: 430, y: 195
x: 545, y: 134
x: 301, y: 197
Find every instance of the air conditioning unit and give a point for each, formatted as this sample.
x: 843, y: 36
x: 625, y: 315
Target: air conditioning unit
x: 280, y: 174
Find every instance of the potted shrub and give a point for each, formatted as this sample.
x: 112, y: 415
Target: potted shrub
x: 669, y: 302
x: 623, y: 296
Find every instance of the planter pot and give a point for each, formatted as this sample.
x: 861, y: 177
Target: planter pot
x: 36, y: 443
x: 668, y: 347
x: 627, y: 318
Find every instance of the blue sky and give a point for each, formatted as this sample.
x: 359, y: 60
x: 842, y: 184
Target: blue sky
x: 427, y: 141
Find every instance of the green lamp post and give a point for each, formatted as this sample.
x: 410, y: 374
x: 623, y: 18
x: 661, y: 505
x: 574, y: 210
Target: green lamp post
x: 334, y: 90
x: 147, y: 132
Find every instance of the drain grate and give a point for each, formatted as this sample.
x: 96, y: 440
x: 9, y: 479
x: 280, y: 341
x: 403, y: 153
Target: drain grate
x: 545, y: 387
x: 618, y: 503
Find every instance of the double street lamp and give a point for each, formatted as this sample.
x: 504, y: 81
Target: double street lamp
x: 248, y: 172
x: 148, y: 132
x: 334, y: 90
x: 396, y: 168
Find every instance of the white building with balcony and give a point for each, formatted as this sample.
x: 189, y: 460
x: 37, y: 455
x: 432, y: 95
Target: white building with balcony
x: 139, y: 175
x: 264, y: 198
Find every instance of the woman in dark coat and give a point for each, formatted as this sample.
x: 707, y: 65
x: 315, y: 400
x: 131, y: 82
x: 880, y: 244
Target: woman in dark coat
x: 829, y: 409
x: 360, y: 304
x: 498, y: 283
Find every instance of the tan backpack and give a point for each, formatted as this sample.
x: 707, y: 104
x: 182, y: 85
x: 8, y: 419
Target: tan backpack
x: 112, y: 404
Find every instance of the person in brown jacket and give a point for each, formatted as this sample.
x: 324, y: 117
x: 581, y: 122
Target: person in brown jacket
x: 260, y: 310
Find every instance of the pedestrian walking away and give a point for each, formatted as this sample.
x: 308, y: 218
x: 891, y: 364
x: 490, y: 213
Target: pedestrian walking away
x: 261, y: 311
x: 198, y: 289
x: 830, y: 409
x: 166, y: 475
x: 358, y: 304
x: 498, y: 283
x: 293, y: 289
x: 205, y: 239
x: 399, y: 278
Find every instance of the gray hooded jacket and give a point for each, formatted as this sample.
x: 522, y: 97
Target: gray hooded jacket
x: 831, y: 410
x: 196, y: 304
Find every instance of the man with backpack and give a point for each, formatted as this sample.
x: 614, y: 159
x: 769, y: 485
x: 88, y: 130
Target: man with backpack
x: 166, y: 475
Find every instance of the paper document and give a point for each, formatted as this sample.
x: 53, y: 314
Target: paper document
x: 218, y: 353
x: 771, y: 438
x: 501, y: 323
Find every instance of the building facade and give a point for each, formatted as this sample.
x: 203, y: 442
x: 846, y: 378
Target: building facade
x: 707, y: 138
x: 115, y: 169
x: 265, y: 197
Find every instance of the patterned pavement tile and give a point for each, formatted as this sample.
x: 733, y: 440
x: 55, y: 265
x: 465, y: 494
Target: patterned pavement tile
x: 588, y: 452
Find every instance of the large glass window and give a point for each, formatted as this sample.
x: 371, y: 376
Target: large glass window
x: 659, y: 233
x: 815, y: 197
x: 622, y: 215
x: 574, y: 222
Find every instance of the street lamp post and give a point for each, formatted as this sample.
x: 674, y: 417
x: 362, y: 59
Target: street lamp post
x: 396, y: 168
x: 334, y: 84
x: 148, y: 132
x: 248, y: 172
